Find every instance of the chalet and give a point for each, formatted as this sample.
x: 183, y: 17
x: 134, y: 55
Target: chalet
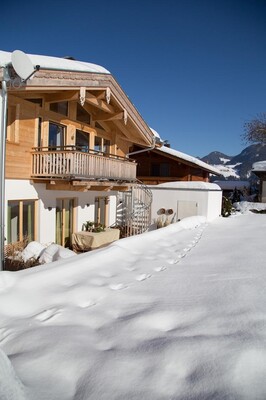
x: 164, y: 164
x: 70, y: 128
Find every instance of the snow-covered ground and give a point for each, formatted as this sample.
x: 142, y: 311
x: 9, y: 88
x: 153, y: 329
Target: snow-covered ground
x: 176, y: 313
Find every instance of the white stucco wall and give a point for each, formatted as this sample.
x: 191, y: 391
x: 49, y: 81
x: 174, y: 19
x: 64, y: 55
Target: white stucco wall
x: 207, y: 196
x: 22, y: 190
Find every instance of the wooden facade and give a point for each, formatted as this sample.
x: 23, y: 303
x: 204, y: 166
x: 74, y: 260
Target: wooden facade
x: 70, y: 127
x: 74, y: 127
x: 156, y: 166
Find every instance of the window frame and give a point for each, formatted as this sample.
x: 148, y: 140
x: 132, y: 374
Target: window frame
x: 20, y: 216
x: 63, y: 135
x: 103, y: 147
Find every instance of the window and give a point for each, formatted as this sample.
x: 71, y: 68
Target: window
x: 64, y: 221
x: 83, y: 115
x: 162, y: 169
x: 82, y: 141
x: 21, y: 220
x: 101, y: 215
x: 39, y: 137
x: 56, y: 136
x: 102, y: 145
x: 61, y: 107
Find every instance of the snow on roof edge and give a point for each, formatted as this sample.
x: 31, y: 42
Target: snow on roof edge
x: 56, y: 63
x: 259, y: 166
x: 191, y: 159
x: 189, y: 185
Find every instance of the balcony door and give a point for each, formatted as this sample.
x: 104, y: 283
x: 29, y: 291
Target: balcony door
x: 64, y: 221
x: 56, y: 139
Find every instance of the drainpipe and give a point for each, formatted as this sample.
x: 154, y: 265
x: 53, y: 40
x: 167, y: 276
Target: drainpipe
x: 146, y: 149
x: 3, y: 118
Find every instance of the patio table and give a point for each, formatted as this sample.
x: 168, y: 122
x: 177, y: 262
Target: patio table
x: 84, y: 241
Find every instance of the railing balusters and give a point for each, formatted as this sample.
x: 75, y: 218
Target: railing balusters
x: 81, y: 165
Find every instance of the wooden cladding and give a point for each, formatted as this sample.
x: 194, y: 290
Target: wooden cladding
x: 75, y: 164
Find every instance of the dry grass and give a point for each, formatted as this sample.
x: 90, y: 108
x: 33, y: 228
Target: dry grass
x: 13, y: 260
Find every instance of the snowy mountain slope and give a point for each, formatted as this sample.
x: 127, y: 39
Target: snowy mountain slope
x: 239, y: 166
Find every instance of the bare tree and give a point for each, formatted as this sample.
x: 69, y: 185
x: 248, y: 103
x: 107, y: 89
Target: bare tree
x: 255, y: 130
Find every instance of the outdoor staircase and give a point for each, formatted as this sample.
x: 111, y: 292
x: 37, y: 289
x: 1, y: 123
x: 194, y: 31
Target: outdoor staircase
x: 134, y: 210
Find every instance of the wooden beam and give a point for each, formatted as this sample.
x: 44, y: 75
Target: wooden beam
x: 128, y: 134
x: 101, y: 95
x: 102, y: 105
x: 59, y: 186
x: 121, y: 188
x: 108, y: 117
x: 58, y: 97
x: 83, y: 186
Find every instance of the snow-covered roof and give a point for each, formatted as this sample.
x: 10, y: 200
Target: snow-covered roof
x: 189, y: 185
x: 156, y: 134
x: 56, y: 63
x: 259, y: 166
x: 191, y: 159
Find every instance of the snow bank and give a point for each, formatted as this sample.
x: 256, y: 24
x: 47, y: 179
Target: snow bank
x: 55, y: 252
x: 32, y: 250
x: 177, y: 313
x: 45, y: 254
x: 245, y: 206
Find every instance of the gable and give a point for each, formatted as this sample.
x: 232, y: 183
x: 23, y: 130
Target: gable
x: 93, y: 87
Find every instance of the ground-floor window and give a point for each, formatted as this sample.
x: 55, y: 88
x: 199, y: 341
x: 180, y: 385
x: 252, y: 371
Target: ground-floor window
x: 102, y: 210
x: 64, y: 221
x: 21, y: 220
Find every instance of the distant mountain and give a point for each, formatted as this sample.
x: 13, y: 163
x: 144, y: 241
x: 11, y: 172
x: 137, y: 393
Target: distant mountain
x: 237, y: 167
x: 216, y: 158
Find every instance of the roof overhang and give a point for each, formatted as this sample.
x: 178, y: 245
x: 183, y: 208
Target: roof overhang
x: 90, y: 84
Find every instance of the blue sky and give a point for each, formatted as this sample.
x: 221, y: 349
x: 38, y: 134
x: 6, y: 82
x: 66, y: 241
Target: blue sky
x: 194, y: 69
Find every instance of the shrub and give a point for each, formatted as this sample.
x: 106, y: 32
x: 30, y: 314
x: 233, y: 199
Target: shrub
x: 227, y: 207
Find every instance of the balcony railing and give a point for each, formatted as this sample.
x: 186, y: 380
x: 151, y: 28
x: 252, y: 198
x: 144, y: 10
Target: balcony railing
x: 71, y: 162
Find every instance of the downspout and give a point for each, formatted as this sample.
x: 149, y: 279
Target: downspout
x: 143, y: 150
x: 3, y: 117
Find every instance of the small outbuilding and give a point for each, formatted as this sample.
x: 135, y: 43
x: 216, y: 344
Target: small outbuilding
x: 259, y: 169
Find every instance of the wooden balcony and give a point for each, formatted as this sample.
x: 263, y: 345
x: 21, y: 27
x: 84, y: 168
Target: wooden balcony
x: 72, y: 163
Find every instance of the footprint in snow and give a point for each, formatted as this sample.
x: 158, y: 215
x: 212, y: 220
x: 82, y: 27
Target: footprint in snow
x: 181, y: 255
x: 142, y: 277
x: 4, y: 333
x: 47, y: 314
x: 117, y: 286
x: 174, y: 261
x: 87, y: 304
x: 130, y: 268
x: 159, y: 269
